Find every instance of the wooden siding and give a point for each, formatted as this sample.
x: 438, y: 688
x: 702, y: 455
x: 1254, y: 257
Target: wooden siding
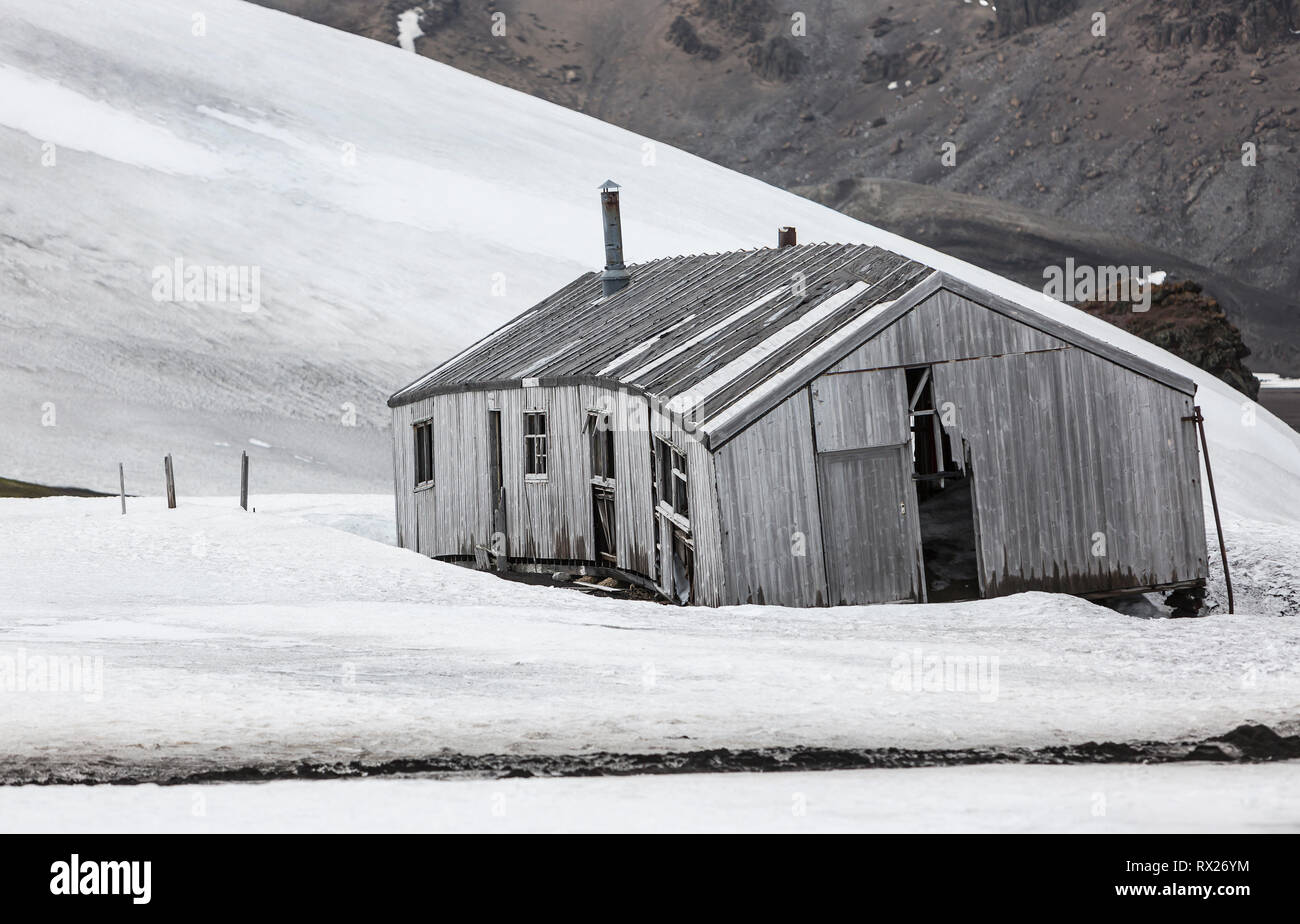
x: 860, y: 410
x: 550, y: 518
x: 404, y: 472
x: 946, y: 327
x: 767, y: 498
x: 461, y: 514
x: 1066, y: 446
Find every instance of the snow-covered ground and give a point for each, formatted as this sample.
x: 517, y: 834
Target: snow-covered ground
x: 384, y: 197
x: 231, y: 639
x: 1078, y: 799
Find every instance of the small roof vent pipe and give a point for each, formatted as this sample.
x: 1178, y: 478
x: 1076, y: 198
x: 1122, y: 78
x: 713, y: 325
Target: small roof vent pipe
x: 615, y: 276
x: 785, y: 237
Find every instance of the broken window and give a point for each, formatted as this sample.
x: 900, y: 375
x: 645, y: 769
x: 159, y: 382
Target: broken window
x: 535, y: 445
x: 601, y: 436
x: 423, y: 454
x: 681, y: 505
x: 674, y: 480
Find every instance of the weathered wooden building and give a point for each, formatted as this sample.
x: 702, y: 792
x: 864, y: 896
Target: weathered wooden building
x: 802, y: 425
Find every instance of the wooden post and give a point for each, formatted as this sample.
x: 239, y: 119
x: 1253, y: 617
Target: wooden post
x: 243, y: 480
x: 171, y: 482
x: 121, y: 481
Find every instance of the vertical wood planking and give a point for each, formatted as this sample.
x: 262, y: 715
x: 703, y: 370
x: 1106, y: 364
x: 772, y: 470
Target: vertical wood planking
x: 943, y: 328
x: 768, y: 493
x: 1065, y: 445
x: 706, y: 526
x: 404, y: 474
x: 858, y: 410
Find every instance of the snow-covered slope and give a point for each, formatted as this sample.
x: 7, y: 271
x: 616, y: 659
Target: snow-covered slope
x: 384, y: 198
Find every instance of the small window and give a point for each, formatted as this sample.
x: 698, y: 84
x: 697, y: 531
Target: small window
x: 674, y: 479
x: 681, y: 506
x: 601, y: 436
x: 535, y: 447
x: 423, y: 454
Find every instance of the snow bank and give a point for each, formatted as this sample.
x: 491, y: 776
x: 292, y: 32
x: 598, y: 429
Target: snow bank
x: 232, y: 638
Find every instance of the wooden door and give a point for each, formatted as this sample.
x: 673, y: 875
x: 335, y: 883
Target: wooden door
x: 870, y: 530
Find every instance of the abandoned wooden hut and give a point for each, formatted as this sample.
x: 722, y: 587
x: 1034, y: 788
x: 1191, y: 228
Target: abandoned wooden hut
x: 802, y: 425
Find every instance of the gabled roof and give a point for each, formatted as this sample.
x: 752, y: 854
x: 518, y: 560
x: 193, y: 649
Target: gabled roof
x: 721, y: 337
x: 683, y: 322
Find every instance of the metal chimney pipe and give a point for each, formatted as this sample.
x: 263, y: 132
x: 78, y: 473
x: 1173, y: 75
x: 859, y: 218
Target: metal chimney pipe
x: 785, y: 237
x: 615, y: 276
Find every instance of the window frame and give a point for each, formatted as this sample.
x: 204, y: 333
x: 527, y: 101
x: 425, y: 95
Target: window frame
x: 422, y: 430
x: 600, y: 447
x: 531, y: 454
x: 674, y: 482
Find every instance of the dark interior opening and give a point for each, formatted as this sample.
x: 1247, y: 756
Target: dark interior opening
x: 496, y: 483
x: 602, y: 504
x: 944, y: 497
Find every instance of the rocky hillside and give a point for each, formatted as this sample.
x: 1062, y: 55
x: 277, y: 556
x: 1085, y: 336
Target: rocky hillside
x: 1172, y: 124
x: 1188, y: 322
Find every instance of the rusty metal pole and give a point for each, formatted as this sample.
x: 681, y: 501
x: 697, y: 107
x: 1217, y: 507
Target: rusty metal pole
x: 243, y: 481
x: 121, y: 483
x: 1199, y: 418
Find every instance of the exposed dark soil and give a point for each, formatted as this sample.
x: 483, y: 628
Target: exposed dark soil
x: 10, y: 487
x: 1244, y: 744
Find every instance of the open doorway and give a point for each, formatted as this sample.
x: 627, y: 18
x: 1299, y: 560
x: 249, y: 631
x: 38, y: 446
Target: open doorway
x: 497, y: 495
x: 601, y: 445
x: 944, y: 494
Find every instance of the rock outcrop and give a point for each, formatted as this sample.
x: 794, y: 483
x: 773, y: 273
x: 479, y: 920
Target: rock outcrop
x: 1190, y: 324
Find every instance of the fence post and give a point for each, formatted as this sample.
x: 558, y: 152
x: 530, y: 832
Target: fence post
x: 243, y: 480
x: 121, y: 481
x: 171, y: 482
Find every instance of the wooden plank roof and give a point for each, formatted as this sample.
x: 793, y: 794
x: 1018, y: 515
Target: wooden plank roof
x: 713, y: 336
x: 683, y: 320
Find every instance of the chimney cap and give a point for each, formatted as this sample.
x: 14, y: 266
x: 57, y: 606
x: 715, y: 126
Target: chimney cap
x: 609, y: 186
